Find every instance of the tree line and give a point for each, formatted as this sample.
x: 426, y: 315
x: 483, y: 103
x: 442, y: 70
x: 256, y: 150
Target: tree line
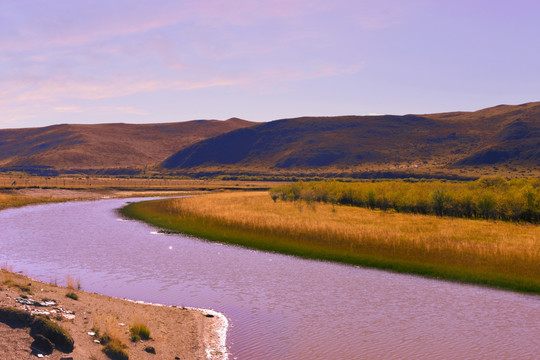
x: 486, y: 198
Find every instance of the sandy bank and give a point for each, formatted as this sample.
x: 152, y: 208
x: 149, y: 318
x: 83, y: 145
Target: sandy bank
x: 176, y: 332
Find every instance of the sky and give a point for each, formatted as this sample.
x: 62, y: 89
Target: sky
x: 147, y: 61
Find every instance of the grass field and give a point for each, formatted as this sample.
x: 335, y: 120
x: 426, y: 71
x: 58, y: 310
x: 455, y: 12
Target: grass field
x: 494, y: 253
x: 9, y: 200
x: 9, y: 182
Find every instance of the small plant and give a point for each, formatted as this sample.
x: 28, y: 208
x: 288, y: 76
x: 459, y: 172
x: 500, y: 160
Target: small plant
x: 150, y: 349
x: 72, y: 283
x: 139, y: 331
x: 72, y: 295
x: 115, y: 350
x: 22, y: 287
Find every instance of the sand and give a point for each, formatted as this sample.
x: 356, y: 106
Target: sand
x: 176, y: 332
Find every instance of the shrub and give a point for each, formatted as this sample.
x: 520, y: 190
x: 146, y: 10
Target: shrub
x: 150, y: 349
x: 11, y: 315
x: 72, y: 295
x: 115, y: 350
x: 488, y: 198
x: 139, y: 331
x: 54, y: 332
x: 72, y: 283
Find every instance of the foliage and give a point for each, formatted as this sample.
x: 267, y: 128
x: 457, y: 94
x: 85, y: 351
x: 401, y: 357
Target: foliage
x: 487, y: 198
x: 13, y: 315
x: 72, y: 295
x: 139, y: 331
x: 59, y: 336
x: 115, y: 350
x: 73, y: 283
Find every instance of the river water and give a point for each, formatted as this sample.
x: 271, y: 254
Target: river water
x: 279, y: 307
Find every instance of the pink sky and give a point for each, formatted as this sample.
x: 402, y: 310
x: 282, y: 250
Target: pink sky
x: 98, y: 61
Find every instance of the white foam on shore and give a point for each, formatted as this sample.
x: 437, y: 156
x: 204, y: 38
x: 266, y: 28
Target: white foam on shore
x: 215, y: 350
x: 218, y: 350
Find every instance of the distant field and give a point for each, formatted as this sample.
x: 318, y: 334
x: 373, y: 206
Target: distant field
x: 9, y: 200
x: 493, y: 253
x: 8, y: 182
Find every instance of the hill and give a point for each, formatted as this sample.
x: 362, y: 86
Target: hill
x: 504, y: 139
x: 109, y: 147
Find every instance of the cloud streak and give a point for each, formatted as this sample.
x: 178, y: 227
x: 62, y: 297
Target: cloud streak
x: 70, y: 58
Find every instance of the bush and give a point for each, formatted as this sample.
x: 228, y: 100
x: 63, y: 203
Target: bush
x: 139, y: 331
x: 14, y: 316
x: 54, y: 332
x: 72, y: 295
x: 115, y: 350
x: 150, y: 349
x: 487, y: 198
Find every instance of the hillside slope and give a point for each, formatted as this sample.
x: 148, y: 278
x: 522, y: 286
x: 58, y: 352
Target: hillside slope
x: 104, y: 146
x: 502, y: 135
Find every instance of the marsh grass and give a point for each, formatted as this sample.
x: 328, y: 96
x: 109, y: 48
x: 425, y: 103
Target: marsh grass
x: 494, y: 253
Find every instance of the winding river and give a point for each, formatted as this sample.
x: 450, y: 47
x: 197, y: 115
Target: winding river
x: 279, y: 307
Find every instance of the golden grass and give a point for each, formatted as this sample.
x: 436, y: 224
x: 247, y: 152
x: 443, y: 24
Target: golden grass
x: 9, y: 200
x: 129, y: 183
x: 494, y: 248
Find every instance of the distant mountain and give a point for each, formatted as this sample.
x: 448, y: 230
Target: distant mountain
x: 500, y: 136
x: 104, y: 146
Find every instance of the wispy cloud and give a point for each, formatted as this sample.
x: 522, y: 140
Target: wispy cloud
x: 70, y: 58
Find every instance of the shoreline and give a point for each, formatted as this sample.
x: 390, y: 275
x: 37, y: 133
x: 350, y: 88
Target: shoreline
x: 214, y: 341
x: 220, y: 346
x: 216, y: 218
x: 176, y: 331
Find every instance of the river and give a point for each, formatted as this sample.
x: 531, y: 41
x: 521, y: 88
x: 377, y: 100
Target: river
x: 279, y: 307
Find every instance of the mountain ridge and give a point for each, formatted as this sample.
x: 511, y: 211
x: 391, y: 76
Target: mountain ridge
x: 114, y: 145
x: 502, y: 135
x: 458, y: 144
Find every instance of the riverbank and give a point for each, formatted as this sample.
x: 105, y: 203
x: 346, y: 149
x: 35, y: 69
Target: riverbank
x: 175, y: 332
x: 492, y: 253
x: 186, y: 333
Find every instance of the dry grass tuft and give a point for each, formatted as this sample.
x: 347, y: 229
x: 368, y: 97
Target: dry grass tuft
x: 72, y: 283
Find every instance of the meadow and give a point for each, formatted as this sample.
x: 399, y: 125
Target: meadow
x: 486, y: 198
x: 495, y: 253
x: 13, y: 200
x: 21, y: 181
